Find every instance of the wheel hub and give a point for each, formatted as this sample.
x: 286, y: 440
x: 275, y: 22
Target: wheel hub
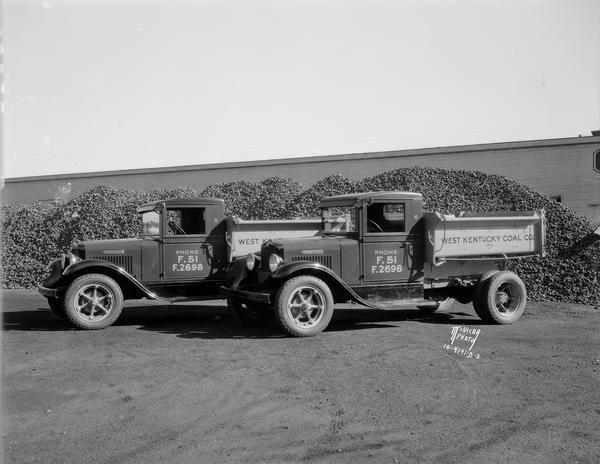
x: 93, y: 302
x: 305, y: 307
x: 503, y: 297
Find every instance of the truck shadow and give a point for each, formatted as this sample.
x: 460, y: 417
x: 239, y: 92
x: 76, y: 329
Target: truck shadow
x: 358, y: 318
x: 220, y: 325
x: 215, y: 322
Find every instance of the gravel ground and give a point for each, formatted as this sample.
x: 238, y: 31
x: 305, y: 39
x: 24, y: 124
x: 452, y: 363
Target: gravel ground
x: 184, y: 384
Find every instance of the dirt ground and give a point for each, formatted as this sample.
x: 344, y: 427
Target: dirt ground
x: 184, y: 384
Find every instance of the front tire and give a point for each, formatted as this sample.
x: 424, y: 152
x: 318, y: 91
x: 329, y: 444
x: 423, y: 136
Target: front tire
x: 93, y: 301
x: 503, y: 298
x: 304, y: 306
x: 247, y: 314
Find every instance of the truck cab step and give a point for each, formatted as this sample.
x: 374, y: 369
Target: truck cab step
x: 405, y: 304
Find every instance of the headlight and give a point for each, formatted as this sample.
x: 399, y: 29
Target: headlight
x: 250, y: 261
x: 274, y: 262
x: 67, y: 259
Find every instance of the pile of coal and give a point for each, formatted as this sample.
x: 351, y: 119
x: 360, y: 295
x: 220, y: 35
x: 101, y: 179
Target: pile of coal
x: 33, y: 235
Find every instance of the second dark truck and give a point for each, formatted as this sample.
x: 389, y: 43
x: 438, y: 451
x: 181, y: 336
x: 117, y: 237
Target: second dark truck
x: 380, y: 250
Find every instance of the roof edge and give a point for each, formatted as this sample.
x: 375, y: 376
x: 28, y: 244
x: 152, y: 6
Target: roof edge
x: 494, y: 146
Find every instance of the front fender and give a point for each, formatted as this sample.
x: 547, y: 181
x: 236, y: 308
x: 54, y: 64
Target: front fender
x: 308, y: 267
x: 108, y: 268
x: 55, y: 271
x: 287, y: 269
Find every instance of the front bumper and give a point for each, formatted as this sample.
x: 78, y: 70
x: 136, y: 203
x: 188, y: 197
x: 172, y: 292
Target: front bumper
x: 255, y: 297
x: 47, y: 292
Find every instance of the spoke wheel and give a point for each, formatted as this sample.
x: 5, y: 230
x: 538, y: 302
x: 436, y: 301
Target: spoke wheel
x: 503, y: 298
x: 93, y: 301
x: 304, y: 306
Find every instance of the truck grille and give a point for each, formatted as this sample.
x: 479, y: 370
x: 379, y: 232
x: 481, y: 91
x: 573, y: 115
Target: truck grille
x: 124, y: 262
x: 325, y: 260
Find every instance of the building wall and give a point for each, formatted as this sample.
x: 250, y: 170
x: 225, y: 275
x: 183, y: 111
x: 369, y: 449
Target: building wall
x: 555, y: 167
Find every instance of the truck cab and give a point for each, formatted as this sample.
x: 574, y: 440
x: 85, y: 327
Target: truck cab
x: 182, y: 254
x: 372, y: 250
x: 183, y: 243
x: 387, y: 236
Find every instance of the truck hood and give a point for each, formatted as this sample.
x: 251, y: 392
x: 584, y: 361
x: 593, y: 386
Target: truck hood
x: 321, y: 242
x: 325, y: 250
x: 109, y: 247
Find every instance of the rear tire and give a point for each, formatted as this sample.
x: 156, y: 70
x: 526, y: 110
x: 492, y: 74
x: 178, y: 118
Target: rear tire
x: 304, y: 306
x: 247, y: 314
x: 93, y: 301
x: 479, y: 291
x: 503, y: 298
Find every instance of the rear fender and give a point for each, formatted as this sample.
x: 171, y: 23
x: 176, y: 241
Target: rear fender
x: 131, y: 287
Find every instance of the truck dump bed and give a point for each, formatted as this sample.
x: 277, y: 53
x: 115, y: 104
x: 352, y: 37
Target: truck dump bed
x: 245, y: 237
x: 498, y: 235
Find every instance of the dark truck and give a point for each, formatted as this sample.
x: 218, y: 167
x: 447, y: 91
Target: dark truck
x: 380, y: 250
x: 184, y: 253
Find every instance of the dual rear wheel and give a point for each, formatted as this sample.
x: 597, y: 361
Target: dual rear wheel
x: 500, y: 297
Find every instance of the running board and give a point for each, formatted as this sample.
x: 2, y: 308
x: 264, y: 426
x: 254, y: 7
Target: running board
x: 413, y: 303
x: 398, y: 296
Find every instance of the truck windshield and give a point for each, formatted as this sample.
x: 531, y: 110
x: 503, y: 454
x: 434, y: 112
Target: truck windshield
x: 150, y: 224
x: 339, y: 219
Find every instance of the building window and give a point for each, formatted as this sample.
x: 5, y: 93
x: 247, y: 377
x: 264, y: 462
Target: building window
x: 556, y: 198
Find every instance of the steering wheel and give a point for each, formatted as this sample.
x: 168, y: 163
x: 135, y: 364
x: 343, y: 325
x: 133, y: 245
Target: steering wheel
x: 176, y: 228
x: 375, y: 225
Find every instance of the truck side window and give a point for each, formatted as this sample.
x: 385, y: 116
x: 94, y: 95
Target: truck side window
x: 186, y: 221
x: 339, y: 219
x: 386, y: 218
x: 150, y: 224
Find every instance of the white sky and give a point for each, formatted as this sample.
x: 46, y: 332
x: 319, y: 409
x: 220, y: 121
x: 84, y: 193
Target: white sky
x: 103, y: 85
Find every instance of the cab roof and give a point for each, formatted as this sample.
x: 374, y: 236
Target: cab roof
x: 351, y: 198
x: 203, y: 201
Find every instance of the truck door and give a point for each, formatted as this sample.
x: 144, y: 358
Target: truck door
x: 188, y: 250
x: 391, y: 252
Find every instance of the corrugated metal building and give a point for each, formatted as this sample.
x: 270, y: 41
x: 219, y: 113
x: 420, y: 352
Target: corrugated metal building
x: 562, y: 168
